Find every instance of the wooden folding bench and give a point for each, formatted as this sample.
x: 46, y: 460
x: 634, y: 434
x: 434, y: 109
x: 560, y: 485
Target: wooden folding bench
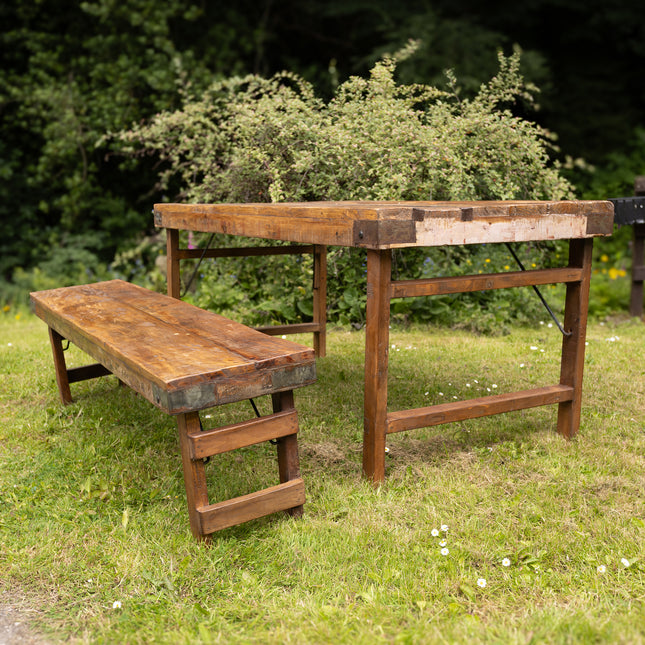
x: 184, y: 359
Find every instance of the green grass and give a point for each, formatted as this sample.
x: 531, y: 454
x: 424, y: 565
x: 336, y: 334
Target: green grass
x: 92, y: 506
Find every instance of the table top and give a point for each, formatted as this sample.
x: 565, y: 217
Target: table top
x: 385, y: 225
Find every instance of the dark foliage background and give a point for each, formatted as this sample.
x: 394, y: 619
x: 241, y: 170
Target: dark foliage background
x: 70, y: 72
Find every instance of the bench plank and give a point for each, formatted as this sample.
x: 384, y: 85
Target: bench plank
x: 177, y: 356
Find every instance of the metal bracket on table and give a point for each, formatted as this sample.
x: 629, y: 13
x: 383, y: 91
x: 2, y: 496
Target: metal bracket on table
x: 628, y: 210
x: 537, y: 291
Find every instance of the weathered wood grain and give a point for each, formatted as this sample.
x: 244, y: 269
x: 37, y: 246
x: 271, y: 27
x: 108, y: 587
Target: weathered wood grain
x: 463, y: 284
x: 283, y: 497
x: 207, y: 443
x: 379, y: 270
x: 183, y: 359
x: 380, y: 225
x: 573, y: 344
x: 176, y: 355
x: 383, y: 226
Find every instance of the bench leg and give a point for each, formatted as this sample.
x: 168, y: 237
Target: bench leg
x: 194, y: 473
x: 288, y: 459
x: 197, y: 443
x: 62, y: 380
x: 66, y: 376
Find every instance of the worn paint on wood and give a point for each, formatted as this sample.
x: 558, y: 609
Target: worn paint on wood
x: 382, y: 225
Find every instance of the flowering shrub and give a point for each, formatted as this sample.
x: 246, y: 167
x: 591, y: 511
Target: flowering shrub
x: 255, y: 139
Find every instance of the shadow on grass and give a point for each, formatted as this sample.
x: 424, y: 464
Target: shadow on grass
x: 131, y: 440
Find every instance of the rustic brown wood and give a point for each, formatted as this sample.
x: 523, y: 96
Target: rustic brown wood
x: 86, y: 372
x: 282, y: 497
x: 294, y: 328
x: 173, y: 277
x: 177, y: 356
x: 573, y: 345
x: 475, y: 408
x: 463, y: 284
x: 395, y: 224
x: 62, y: 381
x: 243, y: 251
x: 194, y: 474
x: 317, y: 327
x: 379, y: 271
x: 381, y: 226
x: 208, y: 443
x: 638, y: 271
x: 320, y: 300
x: 287, y: 447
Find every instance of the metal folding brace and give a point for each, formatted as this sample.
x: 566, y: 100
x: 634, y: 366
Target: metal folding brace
x: 199, y: 262
x: 257, y: 414
x: 201, y: 429
x: 537, y: 291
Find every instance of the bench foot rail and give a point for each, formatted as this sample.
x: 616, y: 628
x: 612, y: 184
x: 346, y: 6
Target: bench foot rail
x: 282, y: 497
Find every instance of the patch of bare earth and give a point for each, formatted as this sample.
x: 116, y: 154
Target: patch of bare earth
x: 15, y: 627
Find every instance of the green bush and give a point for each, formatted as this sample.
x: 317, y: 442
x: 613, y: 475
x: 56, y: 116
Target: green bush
x: 255, y: 139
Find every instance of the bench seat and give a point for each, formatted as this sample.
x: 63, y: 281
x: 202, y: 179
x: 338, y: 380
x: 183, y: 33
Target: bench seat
x: 184, y: 359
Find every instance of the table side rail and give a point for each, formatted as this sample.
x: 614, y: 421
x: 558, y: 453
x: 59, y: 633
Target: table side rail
x: 244, y: 251
x: 483, y: 282
x: 317, y: 327
x: 475, y: 408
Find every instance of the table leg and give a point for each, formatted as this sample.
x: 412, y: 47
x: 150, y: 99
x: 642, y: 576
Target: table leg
x: 377, y: 337
x: 573, y: 345
x: 172, y: 263
x: 320, y: 299
x: 638, y: 271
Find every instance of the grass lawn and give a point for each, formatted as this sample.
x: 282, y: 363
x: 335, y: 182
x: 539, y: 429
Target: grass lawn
x: 494, y: 530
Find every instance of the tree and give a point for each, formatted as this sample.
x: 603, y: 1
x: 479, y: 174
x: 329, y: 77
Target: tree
x: 69, y: 74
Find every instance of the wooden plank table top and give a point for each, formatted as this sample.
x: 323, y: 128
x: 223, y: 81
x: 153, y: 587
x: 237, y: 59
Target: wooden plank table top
x: 174, y: 354
x: 385, y: 225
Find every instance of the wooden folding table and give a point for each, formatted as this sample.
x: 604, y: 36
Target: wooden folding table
x: 380, y: 227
